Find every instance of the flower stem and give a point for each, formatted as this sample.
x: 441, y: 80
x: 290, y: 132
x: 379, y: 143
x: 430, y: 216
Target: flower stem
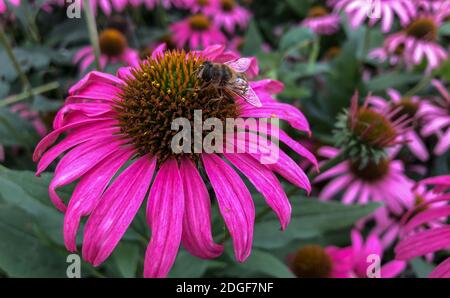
x: 9, y: 51
x: 93, y: 34
x: 314, y: 53
x: 31, y: 92
x: 420, y: 85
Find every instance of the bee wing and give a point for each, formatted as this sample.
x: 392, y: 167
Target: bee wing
x: 251, y: 97
x: 240, y: 65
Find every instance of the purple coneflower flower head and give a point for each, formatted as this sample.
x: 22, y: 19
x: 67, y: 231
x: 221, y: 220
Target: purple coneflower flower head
x: 315, y: 261
x: 125, y: 121
x: 436, y: 114
x: 228, y: 14
x: 429, y: 238
x: 113, y: 49
x: 410, y: 106
x: 4, y: 7
x: 321, y: 21
x: 197, y: 31
x: 365, y: 132
x: 362, y: 250
x: 358, y: 11
x: 418, y: 41
x: 382, y: 181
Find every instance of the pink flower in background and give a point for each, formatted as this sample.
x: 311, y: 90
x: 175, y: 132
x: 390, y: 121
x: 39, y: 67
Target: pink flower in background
x: 418, y: 41
x: 429, y: 238
x: 151, y: 4
x: 321, y: 21
x: 388, y: 226
x: 25, y: 112
x: 358, y: 11
x: 113, y: 49
x: 106, y: 6
x: 4, y: 8
x: 124, y: 121
x: 375, y: 182
x: 436, y: 114
x: 410, y: 106
x: 348, y: 262
x: 196, y: 31
x: 314, y: 261
x: 228, y: 14
x: 362, y: 250
x: 198, y: 6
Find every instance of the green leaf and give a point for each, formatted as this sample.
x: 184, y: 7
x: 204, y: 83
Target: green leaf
x: 421, y: 268
x: 296, y: 37
x: 393, y: 79
x: 15, y: 130
x: 29, y: 193
x: 126, y: 256
x: 310, y: 218
x: 263, y: 263
x: 187, y: 265
x: 22, y: 252
x: 445, y: 29
x: 253, y: 40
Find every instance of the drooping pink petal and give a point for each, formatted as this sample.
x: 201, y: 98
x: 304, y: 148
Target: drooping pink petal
x: 266, y: 183
x: 165, y: 211
x: 197, y: 235
x: 77, y: 162
x: 235, y: 203
x: 422, y: 243
x: 116, y: 209
x: 442, y: 270
x: 88, y: 192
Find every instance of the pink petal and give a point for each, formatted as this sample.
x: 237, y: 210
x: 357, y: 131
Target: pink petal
x: 235, y: 203
x: 165, y: 209
x: 266, y: 183
x: 197, y: 236
x: 423, y: 243
x: 77, y: 162
x: 87, y: 194
x: 116, y: 210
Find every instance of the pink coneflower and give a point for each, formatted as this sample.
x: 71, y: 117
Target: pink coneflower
x: 429, y: 238
x: 418, y: 41
x: 412, y: 108
x: 321, y: 21
x: 436, y: 114
x: 197, y: 31
x: 361, y: 261
x: 348, y: 262
x: 112, y: 120
x: 228, y: 14
x: 113, y: 48
x: 388, y: 225
x: 359, y: 10
x: 151, y: 4
x: 315, y: 261
x: 384, y: 181
x: 4, y: 7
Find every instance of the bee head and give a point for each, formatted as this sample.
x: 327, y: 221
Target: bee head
x: 204, y: 71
